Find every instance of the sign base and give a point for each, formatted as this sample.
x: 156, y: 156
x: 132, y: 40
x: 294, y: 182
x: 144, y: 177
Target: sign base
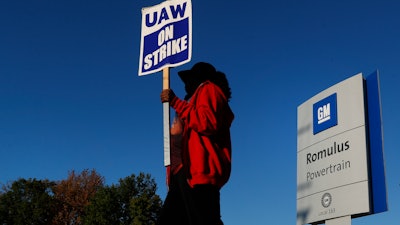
x: 345, y: 220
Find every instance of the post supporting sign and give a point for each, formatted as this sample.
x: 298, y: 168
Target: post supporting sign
x: 166, y: 41
x: 340, y: 166
x: 166, y: 119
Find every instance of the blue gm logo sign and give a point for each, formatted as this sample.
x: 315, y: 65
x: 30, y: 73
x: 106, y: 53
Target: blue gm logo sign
x: 325, y: 113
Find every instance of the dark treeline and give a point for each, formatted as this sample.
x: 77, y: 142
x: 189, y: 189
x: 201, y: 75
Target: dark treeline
x: 81, y: 199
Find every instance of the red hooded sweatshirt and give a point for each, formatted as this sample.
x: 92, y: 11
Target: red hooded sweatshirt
x: 207, y: 150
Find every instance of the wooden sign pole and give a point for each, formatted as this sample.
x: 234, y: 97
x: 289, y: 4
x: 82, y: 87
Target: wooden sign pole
x: 166, y: 111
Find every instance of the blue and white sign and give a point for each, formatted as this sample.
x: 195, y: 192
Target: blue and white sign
x: 325, y: 113
x: 166, y: 38
x: 340, y: 166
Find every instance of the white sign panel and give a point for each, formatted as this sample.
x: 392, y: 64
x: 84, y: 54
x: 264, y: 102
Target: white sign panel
x: 166, y: 37
x: 332, y: 161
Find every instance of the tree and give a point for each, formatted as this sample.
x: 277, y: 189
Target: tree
x: 145, y: 207
x: 27, y: 202
x: 104, y: 208
x: 132, y: 202
x: 80, y: 199
x: 74, y: 195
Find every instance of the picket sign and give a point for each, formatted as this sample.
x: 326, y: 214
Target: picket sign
x: 166, y: 41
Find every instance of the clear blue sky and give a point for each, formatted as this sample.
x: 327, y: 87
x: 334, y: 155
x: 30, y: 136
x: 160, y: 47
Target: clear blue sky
x: 70, y: 96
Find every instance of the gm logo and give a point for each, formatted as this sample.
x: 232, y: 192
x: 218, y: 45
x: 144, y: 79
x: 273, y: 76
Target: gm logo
x: 325, y: 113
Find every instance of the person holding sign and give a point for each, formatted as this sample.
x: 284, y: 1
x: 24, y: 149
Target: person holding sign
x: 201, y: 160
